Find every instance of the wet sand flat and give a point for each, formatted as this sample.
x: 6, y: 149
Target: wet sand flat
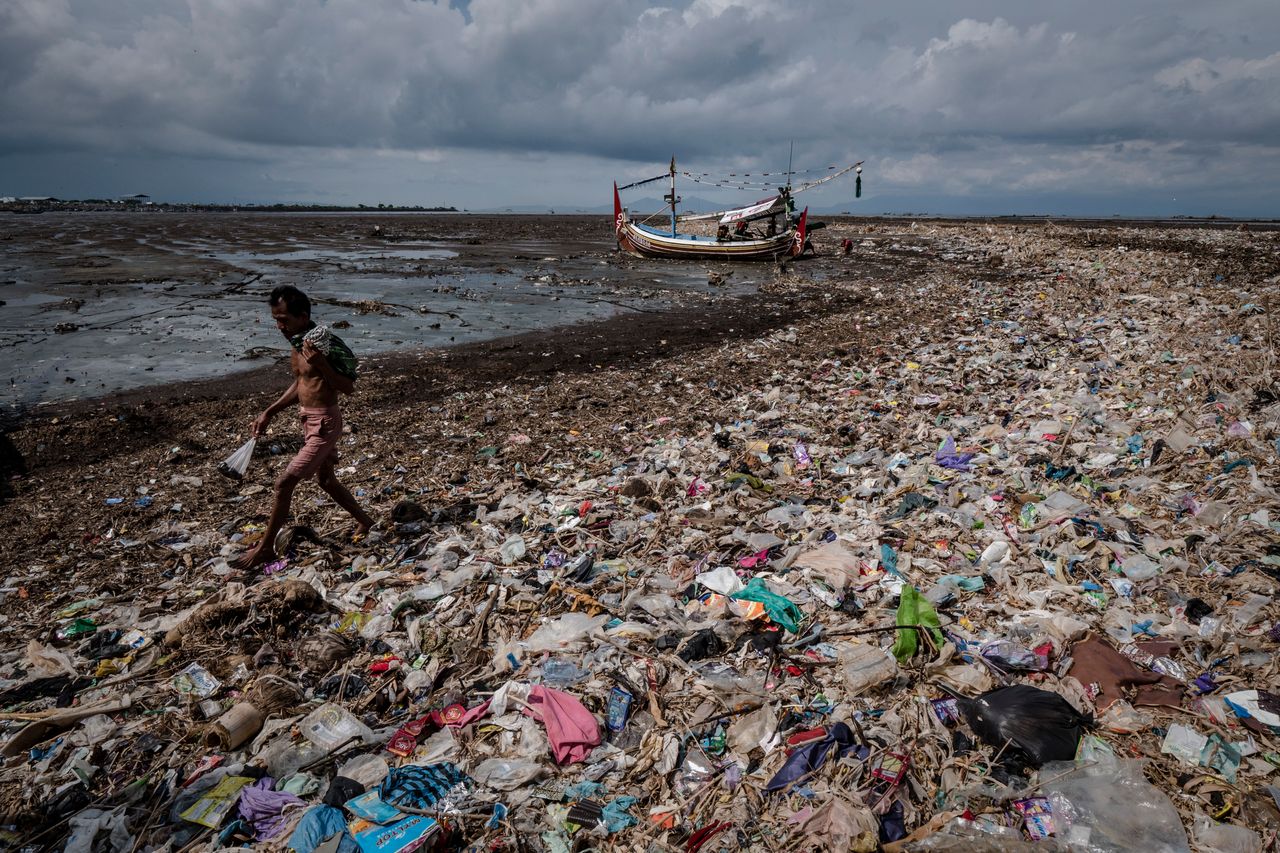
x: 100, y: 303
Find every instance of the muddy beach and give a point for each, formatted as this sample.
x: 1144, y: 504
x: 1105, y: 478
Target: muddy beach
x: 96, y: 304
x: 902, y: 281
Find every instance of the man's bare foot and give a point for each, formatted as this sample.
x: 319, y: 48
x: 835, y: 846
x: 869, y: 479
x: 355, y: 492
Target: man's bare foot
x: 361, y: 528
x: 251, y: 559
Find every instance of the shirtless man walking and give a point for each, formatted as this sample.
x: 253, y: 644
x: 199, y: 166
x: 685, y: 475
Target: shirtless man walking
x: 319, y: 378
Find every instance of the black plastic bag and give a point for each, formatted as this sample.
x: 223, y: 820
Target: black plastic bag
x: 1038, y: 725
x: 701, y: 646
x: 912, y: 502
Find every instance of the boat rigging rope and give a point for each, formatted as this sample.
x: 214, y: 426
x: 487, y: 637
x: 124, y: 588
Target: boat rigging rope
x: 645, y: 181
x: 760, y: 174
x: 700, y: 178
x: 808, y: 185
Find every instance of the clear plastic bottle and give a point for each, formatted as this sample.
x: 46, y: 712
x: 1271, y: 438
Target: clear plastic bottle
x: 559, y: 673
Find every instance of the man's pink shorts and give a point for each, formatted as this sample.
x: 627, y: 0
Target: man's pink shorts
x: 321, y: 429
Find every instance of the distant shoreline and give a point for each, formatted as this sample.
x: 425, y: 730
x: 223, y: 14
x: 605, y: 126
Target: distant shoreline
x: 1262, y: 224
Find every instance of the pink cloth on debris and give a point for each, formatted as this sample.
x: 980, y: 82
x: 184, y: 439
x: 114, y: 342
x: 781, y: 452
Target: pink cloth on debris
x: 570, y: 727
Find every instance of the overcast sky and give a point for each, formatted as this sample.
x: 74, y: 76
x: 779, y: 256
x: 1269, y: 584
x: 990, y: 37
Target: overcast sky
x: 983, y: 106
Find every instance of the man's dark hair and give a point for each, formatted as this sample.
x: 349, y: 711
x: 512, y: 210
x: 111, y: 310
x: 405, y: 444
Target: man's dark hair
x: 295, y: 301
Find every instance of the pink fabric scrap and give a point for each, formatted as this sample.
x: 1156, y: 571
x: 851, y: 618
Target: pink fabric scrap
x: 571, y: 728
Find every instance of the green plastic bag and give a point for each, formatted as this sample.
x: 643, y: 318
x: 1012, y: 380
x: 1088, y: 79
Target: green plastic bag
x: 753, y: 482
x: 781, y: 610
x: 914, y: 609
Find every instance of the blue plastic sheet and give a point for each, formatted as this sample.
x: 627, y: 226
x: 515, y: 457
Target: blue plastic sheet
x: 319, y: 825
x: 616, y: 817
x: 889, y: 559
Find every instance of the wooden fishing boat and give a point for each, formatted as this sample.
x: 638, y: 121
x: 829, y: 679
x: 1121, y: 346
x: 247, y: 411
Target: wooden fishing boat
x: 647, y: 241
x: 777, y: 233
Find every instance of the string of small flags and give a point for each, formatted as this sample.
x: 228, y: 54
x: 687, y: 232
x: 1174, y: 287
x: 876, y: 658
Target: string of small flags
x: 760, y: 174
x: 700, y: 178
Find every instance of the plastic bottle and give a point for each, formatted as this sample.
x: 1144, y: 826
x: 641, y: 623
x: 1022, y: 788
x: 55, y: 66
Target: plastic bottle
x: 560, y: 673
x: 285, y: 758
x: 865, y: 666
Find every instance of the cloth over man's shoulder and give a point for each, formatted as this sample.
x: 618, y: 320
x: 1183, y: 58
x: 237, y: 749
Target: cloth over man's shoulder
x: 341, y: 358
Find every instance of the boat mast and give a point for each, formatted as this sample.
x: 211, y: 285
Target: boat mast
x: 788, y: 205
x: 671, y: 196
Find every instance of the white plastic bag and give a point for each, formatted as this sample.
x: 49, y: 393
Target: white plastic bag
x: 47, y: 661
x: 512, y: 550
x: 1110, y: 807
x: 502, y: 774
x: 237, y: 463
x: 330, y: 726
x: 563, y: 631
x: 1214, y: 837
x: 368, y: 770
x: 757, y: 729
x: 721, y: 579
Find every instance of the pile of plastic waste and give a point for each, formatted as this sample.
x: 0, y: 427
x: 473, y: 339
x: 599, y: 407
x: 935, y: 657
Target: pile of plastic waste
x: 999, y: 576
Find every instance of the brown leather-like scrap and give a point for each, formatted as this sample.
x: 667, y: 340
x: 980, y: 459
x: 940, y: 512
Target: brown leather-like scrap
x: 1094, y: 661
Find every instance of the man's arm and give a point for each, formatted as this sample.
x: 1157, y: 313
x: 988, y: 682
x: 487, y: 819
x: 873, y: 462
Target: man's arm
x: 320, y: 362
x: 287, y: 399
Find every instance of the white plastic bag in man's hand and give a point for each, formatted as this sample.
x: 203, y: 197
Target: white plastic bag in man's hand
x: 237, y: 463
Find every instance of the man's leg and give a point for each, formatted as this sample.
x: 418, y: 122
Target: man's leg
x: 328, y: 481
x: 265, y: 552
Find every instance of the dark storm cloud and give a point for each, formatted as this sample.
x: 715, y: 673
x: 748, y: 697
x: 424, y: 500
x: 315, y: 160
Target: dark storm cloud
x: 1004, y: 95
